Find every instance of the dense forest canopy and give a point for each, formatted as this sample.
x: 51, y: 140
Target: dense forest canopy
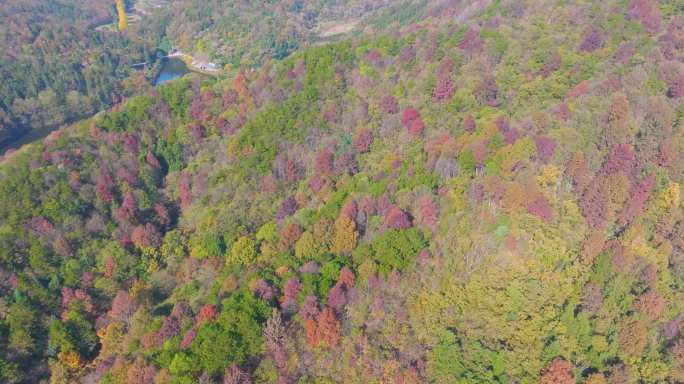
x: 56, y: 67
x: 65, y: 60
x: 452, y: 192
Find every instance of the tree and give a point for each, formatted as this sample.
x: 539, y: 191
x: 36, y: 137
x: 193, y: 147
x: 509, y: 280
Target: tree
x: 619, y: 109
x: 350, y: 209
x: 428, y: 212
x: 327, y: 329
x: 624, y: 52
x: 274, y: 331
x: 389, y: 105
x: 162, y: 215
x: 594, y: 205
x: 346, y: 278
x: 170, y: 328
x: 146, y: 236
x: 592, y: 298
x: 633, y: 337
x: 648, y: 15
x: 309, y: 247
x: 188, y: 338
x: 234, y: 336
x: 263, y: 289
x: 545, y: 147
x: 471, y: 40
x: 196, y: 131
x: 121, y: 12
x: 416, y: 127
x: 395, y: 249
x: 444, y: 90
x: 323, y: 162
x: 551, y: 64
x: 128, y: 209
x: 234, y: 375
x: 363, y: 140
x: 596, y: 378
x: 559, y: 371
x: 309, y: 308
x: 338, y: 296
x: 676, y: 89
x: 397, y: 219
x: 578, y: 170
x: 488, y: 92
x: 290, y: 291
x: 243, y: 251
x: 104, y: 183
x: 620, y: 159
x: 408, y: 116
x: 130, y: 143
x: 638, y: 196
x: 346, y: 163
x: 288, y: 207
x: 469, y: 124
x: 620, y: 374
x: 123, y: 306
x: 289, y: 236
x: 152, y: 160
x: 207, y: 314
x: 651, y: 303
x: 21, y: 321
x: 580, y: 89
x: 592, y: 40
x: 140, y: 372
x: 184, y: 191
x: 345, y: 235
x: 540, y: 207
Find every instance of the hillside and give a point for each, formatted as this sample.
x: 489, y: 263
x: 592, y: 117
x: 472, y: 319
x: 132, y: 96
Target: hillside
x: 468, y: 192
x: 244, y: 33
x: 57, y: 68
x: 65, y: 60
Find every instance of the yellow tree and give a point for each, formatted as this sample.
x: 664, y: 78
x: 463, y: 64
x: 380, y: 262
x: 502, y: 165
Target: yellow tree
x: 121, y: 11
x: 345, y: 235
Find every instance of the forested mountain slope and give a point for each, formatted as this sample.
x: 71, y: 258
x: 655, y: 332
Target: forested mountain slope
x: 490, y: 194
x: 245, y: 33
x: 65, y: 60
x: 56, y: 67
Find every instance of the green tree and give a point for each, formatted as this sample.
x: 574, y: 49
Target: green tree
x: 235, y: 335
x: 243, y: 251
x: 21, y: 319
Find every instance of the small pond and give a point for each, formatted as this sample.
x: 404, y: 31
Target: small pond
x: 172, y: 68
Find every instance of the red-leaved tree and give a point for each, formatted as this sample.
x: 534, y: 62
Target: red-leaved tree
x: 363, y: 140
x: 559, y: 371
x: 397, y: 219
x: 147, y: 235
x: 428, y: 212
x: 206, y: 314
x: 128, y: 209
x: 541, y: 208
x: 444, y: 90
x: 638, y: 196
x: 389, y: 105
x: 471, y: 40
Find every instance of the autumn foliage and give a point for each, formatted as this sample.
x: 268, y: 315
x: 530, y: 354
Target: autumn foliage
x: 559, y: 371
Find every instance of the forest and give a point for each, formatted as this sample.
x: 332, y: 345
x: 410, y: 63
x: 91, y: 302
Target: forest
x: 56, y: 68
x: 453, y: 192
x: 59, y: 64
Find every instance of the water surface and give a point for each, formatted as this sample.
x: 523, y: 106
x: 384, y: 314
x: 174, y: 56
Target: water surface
x: 172, y: 68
